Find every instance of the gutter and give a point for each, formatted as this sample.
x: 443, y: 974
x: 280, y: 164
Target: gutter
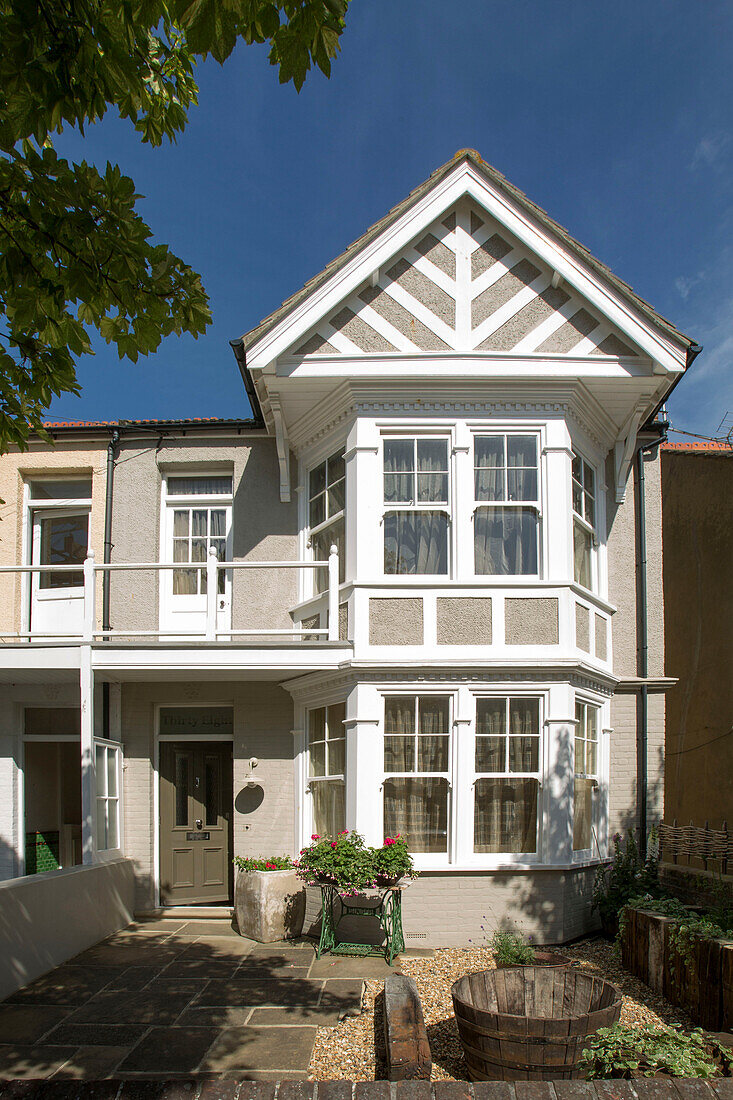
x: 240, y: 355
x: 691, y: 354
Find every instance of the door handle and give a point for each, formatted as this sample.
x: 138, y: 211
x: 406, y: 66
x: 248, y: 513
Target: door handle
x: 199, y: 823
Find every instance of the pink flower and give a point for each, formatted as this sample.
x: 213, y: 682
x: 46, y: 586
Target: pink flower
x: 333, y: 843
x: 344, y: 833
x: 388, y: 841
x: 270, y: 867
x: 315, y: 836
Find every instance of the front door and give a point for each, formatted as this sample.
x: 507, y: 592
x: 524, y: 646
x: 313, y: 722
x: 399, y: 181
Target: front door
x: 196, y: 802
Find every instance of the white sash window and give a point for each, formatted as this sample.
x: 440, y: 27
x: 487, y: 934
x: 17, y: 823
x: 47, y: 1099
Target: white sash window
x: 506, y: 518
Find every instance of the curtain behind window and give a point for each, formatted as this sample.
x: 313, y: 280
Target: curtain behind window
x: 505, y: 541
x: 505, y: 815
x: 417, y: 808
x: 416, y: 542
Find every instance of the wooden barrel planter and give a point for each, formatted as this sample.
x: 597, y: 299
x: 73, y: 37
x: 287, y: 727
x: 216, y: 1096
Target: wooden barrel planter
x: 541, y: 958
x: 530, y: 1023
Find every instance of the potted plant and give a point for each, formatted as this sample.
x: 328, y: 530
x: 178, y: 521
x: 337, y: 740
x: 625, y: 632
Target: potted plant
x: 269, y: 901
x: 393, y: 862
x: 510, y: 950
x: 347, y: 864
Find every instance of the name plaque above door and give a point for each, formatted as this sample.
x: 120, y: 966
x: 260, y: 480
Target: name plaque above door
x: 200, y: 721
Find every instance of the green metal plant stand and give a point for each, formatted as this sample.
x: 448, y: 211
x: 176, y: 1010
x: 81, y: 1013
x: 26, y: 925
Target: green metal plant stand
x: 387, y: 908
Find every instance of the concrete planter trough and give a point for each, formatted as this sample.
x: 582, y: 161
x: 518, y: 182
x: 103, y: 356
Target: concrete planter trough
x: 269, y: 905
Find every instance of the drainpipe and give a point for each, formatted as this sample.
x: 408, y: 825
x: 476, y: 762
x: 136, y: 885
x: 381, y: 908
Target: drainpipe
x: 642, y: 650
x: 108, y: 493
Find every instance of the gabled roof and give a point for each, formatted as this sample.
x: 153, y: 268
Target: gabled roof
x: 501, y: 183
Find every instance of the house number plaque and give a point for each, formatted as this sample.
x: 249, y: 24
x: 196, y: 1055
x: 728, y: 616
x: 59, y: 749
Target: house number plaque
x: 198, y: 836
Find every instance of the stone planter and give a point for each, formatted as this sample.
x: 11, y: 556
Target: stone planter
x: 269, y: 905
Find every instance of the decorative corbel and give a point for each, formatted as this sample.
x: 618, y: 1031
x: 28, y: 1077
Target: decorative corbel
x: 624, y: 449
x: 283, y: 448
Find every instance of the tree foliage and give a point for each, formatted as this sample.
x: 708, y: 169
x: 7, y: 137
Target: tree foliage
x: 75, y: 255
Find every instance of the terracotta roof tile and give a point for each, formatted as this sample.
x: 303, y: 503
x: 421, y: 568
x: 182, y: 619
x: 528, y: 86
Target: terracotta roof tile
x: 701, y: 446
x: 185, y: 422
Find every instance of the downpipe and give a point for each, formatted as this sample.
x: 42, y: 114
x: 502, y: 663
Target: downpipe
x: 108, y: 497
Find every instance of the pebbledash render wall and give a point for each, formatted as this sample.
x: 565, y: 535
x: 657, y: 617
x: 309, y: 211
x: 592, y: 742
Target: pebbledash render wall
x: 622, y: 589
x: 263, y: 721
x: 70, y: 458
x: 263, y: 527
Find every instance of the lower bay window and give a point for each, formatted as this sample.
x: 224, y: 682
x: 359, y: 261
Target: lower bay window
x: 586, y: 774
x: 417, y: 769
x: 327, y: 768
x: 506, y: 789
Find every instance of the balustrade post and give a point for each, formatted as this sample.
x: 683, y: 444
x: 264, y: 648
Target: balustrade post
x: 90, y: 597
x: 212, y: 586
x: 333, y: 594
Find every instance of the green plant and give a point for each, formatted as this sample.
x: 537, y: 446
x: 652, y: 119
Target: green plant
x: 621, y: 1051
x: 273, y: 863
x: 511, y: 950
x: 348, y: 864
x: 628, y: 876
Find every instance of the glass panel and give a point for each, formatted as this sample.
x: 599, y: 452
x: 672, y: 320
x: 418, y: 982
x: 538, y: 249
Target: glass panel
x: 112, y: 829
x: 180, y: 550
x: 524, y: 716
x: 220, y: 545
x: 489, y: 451
x: 321, y: 547
x: 112, y: 773
x: 522, y: 485
x: 505, y: 816
x: 416, y: 542
x: 579, y: 756
x: 336, y: 757
x: 399, y: 714
x: 433, y: 712
x: 317, y: 724
x: 317, y: 480
x: 432, y: 464
x: 524, y: 754
x: 399, y: 754
x: 185, y: 582
x: 582, y: 546
x: 489, y: 484
x: 317, y: 510
x: 577, y: 497
x: 489, y: 467
x: 491, y: 754
x: 505, y: 541
x: 100, y: 770
x: 590, y: 509
x: 180, y: 522
x: 211, y: 796
x: 418, y: 809
x: 64, y: 541
x: 491, y: 716
x: 71, y: 489
x: 592, y: 760
x: 329, y: 816
x: 199, y: 486
x: 577, y: 468
x: 318, y: 758
x: 198, y: 549
x: 590, y: 478
x: 432, y: 754
x: 336, y: 498
x: 181, y: 788
x: 522, y: 450
x: 432, y: 488
x: 399, y: 461
x: 218, y: 523
x: 582, y: 814
x: 101, y: 825
x: 336, y: 467
x: 200, y: 522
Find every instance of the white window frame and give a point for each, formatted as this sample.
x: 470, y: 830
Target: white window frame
x: 413, y: 434
x: 35, y: 511
x: 424, y: 860
x: 312, y: 581
x: 490, y: 859
x: 310, y: 780
x: 583, y: 523
x: 596, y: 846
x: 536, y: 504
x: 106, y: 854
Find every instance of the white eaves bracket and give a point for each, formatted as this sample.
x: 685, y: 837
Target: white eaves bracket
x: 624, y: 449
x: 283, y: 448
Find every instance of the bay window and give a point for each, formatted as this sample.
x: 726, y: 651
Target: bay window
x: 586, y: 774
x: 507, y: 765
x: 506, y: 517
x: 327, y: 768
x: 417, y: 769
x: 416, y: 486
x: 326, y: 510
x: 584, y: 519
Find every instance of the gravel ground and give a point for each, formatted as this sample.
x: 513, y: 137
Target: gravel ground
x: 347, y: 1051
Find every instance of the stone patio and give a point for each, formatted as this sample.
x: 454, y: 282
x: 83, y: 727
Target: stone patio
x: 179, y: 998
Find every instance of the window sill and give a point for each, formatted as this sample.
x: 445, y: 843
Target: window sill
x: 505, y: 867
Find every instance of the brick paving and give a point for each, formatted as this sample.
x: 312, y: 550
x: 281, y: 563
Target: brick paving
x: 176, y: 999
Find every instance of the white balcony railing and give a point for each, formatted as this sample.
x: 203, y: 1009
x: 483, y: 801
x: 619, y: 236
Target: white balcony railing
x: 87, y: 630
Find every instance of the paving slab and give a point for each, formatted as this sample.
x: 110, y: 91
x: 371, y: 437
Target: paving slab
x: 133, y: 1008
x: 23, y: 1061
x: 200, y: 968
x: 214, y: 928
x: 66, y: 985
x: 295, y: 1015
x: 133, y: 979
x: 90, y: 1063
x: 300, y: 944
x: 350, y: 966
x: 238, y: 992
x: 128, y: 954
x: 170, y: 1050
x: 276, y: 1049
x: 84, y: 1035
x: 344, y: 995
x: 214, y: 1017
x: 27, y: 1023
x: 179, y: 1089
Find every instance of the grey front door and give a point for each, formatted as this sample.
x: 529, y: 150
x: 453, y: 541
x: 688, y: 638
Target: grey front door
x: 196, y: 802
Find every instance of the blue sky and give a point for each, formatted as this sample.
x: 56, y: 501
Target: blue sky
x: 616, y: 118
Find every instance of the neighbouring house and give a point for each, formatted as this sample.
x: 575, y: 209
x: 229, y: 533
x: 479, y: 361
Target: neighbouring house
x: 697, y: 530
x: 418, y: 591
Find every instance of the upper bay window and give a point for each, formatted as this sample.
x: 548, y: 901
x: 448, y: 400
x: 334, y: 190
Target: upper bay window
x: 584, y: 520
x: 506, y: 518
x: 416, y: 488
x: 326, y: 511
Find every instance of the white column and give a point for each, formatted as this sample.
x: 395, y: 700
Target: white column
x: 463, y: 768
x: 10, y: 776
x: 88, y: 779
x: 557, y: 837
x: 463, y: 503
x: 364, y: 501
x: 557, y: 503
x: 364, y: 762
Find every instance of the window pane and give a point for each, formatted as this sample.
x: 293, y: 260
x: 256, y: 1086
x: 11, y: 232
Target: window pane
x: 505, y: 816
x: 321, y: 547
x: 318, y: 758
x: 180, y: 550
x: 592, y: 758
x: 336, y: 757
x: 418, y: 809
x: 211, y: 795
x: 112, y: 773
x: 181, y: 788
x: 329, y: 817
x: 416, y: 542
x: 524, y: 716
x: 522, y: 450
x: 489, y: 450
x: 491, y: 754
x: 336, y: 498
x: 336, y: 467
x: 398, y: 488
x: 433, y: 712
x: 582, y: 546
x: 100, y: 770
x: 185, y: 582
x: 199, y: 486
x: 180, y: 522
x: 317, y: 512
x: 101, y: 825
x: 590, y: 509
x: 64, y: 541
x: 491, y: 716
x: 524, y: 754
x: 399, y: 714
x: 489, y: 484
x: 432, y: 488
x: 505, y: 541
x: 399, y: 754
x: 112, y: 830
x: 489, y: 467
x: 590, y: 479
x: 218, y: 523
x: 579, y: 756
x: 432, y: 754
x: 577, y: 497
x: 522, y: 484
x: 198, y: 549
x: 577, y: 468
x: 71, y: 489
x: 432, y: 455
x: 399, y: 456
x: 582, y: 814
x: 200, y: 522
x: 317, y: 724
x: 317, y: 480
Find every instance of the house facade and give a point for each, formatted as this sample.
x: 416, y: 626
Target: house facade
x: 419, y: 591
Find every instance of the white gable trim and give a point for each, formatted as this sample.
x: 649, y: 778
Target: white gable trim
x: 463, y: 181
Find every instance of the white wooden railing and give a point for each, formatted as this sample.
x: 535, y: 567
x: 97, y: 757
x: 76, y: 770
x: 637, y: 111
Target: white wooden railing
x: 91, y: 569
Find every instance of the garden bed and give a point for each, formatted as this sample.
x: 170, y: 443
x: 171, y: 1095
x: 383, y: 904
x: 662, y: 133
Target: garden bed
x: 347, y: 1051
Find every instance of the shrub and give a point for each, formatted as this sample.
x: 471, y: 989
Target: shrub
x: 621, y: 1051
x: 273, y: 863
x: 510, y: 949
x: 348, y: 864
x: 628, y: 876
